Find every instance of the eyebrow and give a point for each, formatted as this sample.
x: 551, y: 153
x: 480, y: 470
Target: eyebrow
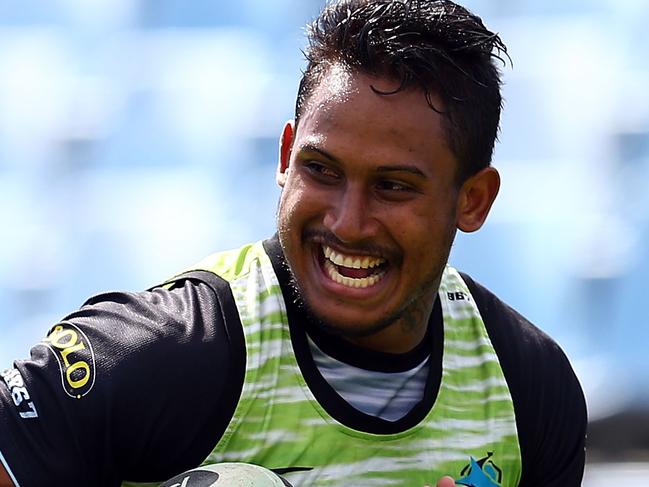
x: 384, y: 169
x: 402, y: 168
x: 308, y: 147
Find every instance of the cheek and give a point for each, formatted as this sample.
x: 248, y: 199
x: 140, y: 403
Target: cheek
x: 290, y: 206
x: 291, y: 194
x: 285, y: 215
x: 426, y: 237
x: 295, y: 206
x: 301, y: 201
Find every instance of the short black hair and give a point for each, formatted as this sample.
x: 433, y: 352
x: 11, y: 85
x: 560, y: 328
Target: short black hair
x: 433, y: 45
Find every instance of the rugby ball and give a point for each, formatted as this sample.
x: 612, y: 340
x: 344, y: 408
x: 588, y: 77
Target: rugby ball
x: 227, y: 475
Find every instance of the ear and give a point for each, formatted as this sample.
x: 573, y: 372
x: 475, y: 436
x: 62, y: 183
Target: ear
x: 477, y: 194
x: 285, y: 147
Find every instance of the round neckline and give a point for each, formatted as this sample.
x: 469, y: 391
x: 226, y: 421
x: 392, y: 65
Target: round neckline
x: 339, y: 409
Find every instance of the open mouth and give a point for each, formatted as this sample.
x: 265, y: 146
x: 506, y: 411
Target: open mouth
x: 355, y: 271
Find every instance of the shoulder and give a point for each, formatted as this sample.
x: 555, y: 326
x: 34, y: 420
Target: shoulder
x: 548, y: 400
x: 513, y: 335
x: 134, y: 372
x: 176, y: 306
x: 175, y: 330
x: 164, y: 317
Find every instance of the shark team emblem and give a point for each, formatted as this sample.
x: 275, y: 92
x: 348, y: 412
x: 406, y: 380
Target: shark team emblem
x: 481, y: 473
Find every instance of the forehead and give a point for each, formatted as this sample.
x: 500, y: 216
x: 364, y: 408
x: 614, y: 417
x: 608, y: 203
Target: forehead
x: 335, y: 85
x: 347, y: 110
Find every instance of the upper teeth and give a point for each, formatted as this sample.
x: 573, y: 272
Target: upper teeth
x: 352, y: 261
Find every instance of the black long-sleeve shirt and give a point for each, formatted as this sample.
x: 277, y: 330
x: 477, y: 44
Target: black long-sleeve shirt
x: 140, y: 386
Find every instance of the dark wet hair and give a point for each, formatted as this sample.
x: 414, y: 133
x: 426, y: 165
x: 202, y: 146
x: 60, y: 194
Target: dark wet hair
x: 434, y: 45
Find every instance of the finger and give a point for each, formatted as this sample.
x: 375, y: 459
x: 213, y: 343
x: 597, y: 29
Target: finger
x: 446, y: 481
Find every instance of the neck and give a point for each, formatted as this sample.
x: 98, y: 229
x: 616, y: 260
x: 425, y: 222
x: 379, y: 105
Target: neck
x: 405, y: 333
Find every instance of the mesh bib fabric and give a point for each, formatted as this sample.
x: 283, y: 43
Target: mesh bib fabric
x: 469, y: 433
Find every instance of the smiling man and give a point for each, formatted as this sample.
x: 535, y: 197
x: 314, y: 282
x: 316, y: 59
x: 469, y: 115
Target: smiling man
x: 370, y: 205
x: 344, y: 350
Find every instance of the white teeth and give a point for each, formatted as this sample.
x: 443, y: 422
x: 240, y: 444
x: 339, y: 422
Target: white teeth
x: 351, y: 261
x: 327, y: 251
x: 350, y: 281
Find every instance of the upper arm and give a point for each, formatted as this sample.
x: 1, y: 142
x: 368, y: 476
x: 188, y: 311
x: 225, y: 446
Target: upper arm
x: 548, y: 400
x: 557, y: 434
x: 130, y: 387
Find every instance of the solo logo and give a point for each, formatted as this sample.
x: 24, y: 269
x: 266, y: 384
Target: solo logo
x: 76, y: 358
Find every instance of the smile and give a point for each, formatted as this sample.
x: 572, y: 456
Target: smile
x: 355, y: 271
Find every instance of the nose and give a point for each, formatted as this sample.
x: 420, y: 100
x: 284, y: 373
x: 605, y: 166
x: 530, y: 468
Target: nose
x: 349, y: 217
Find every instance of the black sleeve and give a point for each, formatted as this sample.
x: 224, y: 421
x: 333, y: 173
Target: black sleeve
x: 548, y: 401
x: 131, y: 387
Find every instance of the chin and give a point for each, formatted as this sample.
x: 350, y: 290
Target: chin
x: 348, y: 327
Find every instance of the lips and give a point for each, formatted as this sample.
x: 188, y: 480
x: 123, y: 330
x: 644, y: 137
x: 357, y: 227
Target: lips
x: 354, y: 271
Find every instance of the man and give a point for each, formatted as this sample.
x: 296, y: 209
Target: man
x: 344, y: 350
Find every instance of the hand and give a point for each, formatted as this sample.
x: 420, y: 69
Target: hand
x: 444, y: 482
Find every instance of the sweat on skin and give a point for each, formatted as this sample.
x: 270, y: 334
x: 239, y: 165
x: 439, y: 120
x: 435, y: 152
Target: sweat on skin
x: 369, y: 180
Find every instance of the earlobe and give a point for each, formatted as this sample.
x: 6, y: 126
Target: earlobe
x: 476, y: 197
x: 285, y: 147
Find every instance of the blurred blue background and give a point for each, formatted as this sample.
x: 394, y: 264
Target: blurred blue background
x: 137, y: 136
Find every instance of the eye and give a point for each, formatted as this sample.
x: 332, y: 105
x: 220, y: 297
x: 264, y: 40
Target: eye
x: 321, y: 171
x: 395, y: 190
x: 394, y: 186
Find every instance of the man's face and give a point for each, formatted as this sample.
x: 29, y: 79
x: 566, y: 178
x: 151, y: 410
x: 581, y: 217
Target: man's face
x: 367, y: 213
